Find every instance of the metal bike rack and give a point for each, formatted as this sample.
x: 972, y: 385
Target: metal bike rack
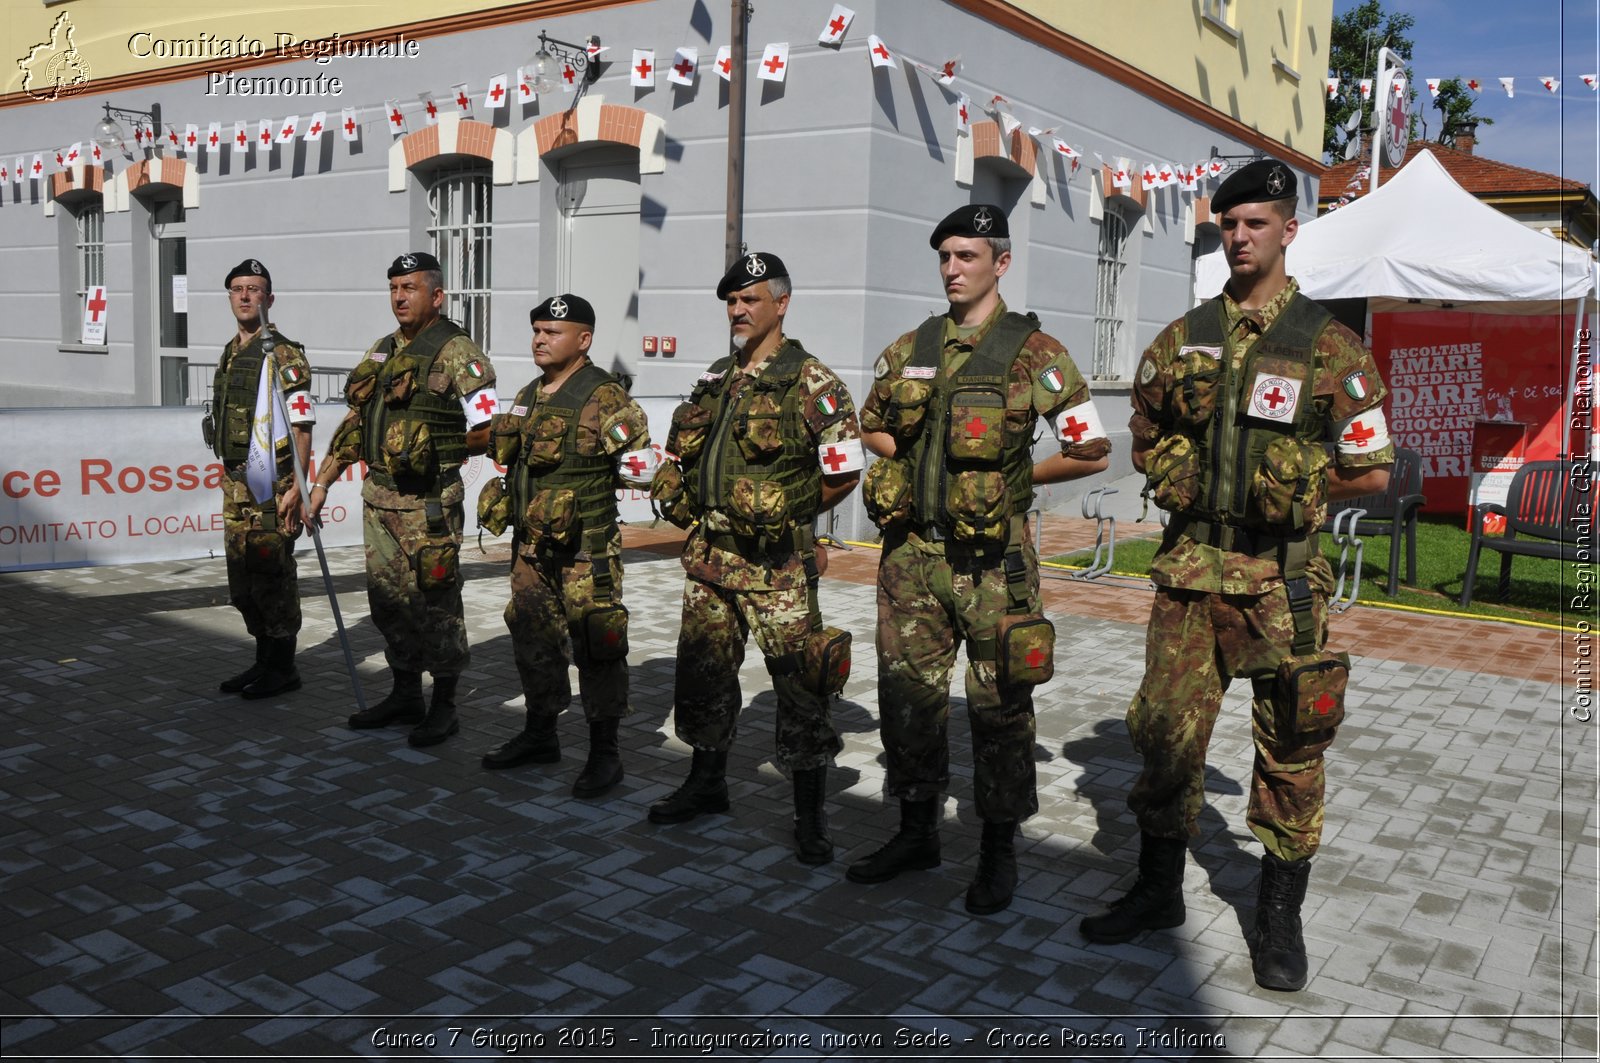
x: 1344, y: 537
x: 1105, y: 534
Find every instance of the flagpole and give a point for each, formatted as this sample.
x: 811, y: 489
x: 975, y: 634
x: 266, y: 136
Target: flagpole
x: 738, y: 53
x: 315, y: 527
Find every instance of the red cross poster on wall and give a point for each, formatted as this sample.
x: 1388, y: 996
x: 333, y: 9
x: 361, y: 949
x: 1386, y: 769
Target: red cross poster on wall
x: 94, y: 316
x: 1447, y: 370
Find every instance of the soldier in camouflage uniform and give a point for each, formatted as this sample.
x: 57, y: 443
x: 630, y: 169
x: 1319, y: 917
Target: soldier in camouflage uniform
x: 420, y: 404
x: 767, y: 440
x: 259, y: 537
x: 572, y: 436
x: 952, y: 415
x: 1232, y: 404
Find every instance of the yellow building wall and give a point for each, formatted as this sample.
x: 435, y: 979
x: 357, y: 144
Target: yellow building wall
x: 1248, y: 73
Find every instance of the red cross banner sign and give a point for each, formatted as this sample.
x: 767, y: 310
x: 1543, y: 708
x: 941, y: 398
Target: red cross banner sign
x: 724, y: 62
x: 463, y: 101
x: 348, y: 124
x: 1333, y: 87
x: 264, y: 133
x: 318, y: 123
x: 1591, y: 80
x: 498, y: 94
x: 214, y: 138
x: 838, y: 21
x: 430, y: 108
x: 37, y: 169
x: 774, y: 62
x: 639, y: 466
x: 480, y: 406
x: 94, y: 316
x: 1433, y: 87
x: 642, y: 74
x: 685, y: 61
x: 1120, y: 175
x: 286, y: 132
x: 191, y: 139
x: 1080, y: 423
x: 1552, y: 85
x: 525, y: 90
x: 241, y: 138
x: 396, y: 120
x: 963, y: 116
x: 878, y: 52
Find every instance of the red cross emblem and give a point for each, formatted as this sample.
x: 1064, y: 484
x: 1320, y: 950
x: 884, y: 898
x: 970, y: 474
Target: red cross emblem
x: 1274, y: 398
x: 950, y: 69
x: 1074, y: 428
x: 977, y: 426
x: 38, y: 167
x: 1121, y: 175
x: 263, y: 551
x: 836, y: 27
x: 301, y: 404
x: 433, y: 112
x: 1036, y: 657
x: 525, y: 89
x: 485, y: 402
x: 880, y: 51
x: 242, y: 139
x: 683, y: 67
x: 725, y: 65
x: 462, y: 101
x: 349, y: 126
x: 316, y: 129
x: 612, y: 638
x: 438, y: 571
x: 773, y: 65
x: 190, y: 138
x: 138, y: 135
x: 1324, y: 703
x: 394, y: 118
x: 1359, y: 435
x: 97, y: 304
x: 963, y: 112
x: 172, y: 135
x: 212, y: 138
x: 644, y: 68
x: 497, y: 92
x: 1166, y: 175
x: 568, y: 74
x: 288, y: 131
x: 634, y: 463
x: 834, y: 458
x: 266, y: 134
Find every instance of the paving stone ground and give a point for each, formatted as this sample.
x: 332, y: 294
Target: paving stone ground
x: 186, y: 873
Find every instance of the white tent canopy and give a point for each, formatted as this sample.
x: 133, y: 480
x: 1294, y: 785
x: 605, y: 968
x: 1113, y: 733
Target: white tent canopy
x: 1421, y: 236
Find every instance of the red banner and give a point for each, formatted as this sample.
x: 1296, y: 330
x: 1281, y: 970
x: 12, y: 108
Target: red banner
x: 1448, y: 369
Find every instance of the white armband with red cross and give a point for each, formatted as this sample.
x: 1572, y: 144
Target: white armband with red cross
x: 301, y: 409
x: 841, y: 457
x: 480, y: 406
x: 1365, y: 433
x: 1079, y: 424
x: 638, y: 466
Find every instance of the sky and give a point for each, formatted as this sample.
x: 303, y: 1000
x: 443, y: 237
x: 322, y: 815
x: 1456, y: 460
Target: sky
x: 1524, y: 39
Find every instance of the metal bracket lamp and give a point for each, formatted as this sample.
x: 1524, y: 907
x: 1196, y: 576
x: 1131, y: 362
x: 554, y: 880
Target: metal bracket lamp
x: 108, y: 134
x: 576, y: 56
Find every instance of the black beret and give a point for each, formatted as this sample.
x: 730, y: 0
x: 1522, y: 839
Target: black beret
x: 250, y: 267
x: 750, y: 269
x: 974, y: 219
x: 1262, y: 181
x: 414, y: 262
x: 568, y: 307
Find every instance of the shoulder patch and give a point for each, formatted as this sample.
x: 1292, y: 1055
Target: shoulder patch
x: 475, y: 369
x: 290, y: 375
x: 1147, y: 370
x: 1355, y: 385
x: 1053, y: 380
x: 880, y: 368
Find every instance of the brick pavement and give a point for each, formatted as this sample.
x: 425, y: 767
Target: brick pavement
x: 185, y: 872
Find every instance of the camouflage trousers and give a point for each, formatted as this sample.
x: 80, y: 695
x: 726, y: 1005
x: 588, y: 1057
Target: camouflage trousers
x: 549, y: 596
x: 268, y: 601
x: 716, y: 622
x: 424, y: 630
x: 927, y: 604
x: 1197, y: 643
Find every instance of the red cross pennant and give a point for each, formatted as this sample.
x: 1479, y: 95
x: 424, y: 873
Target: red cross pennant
x: 1274, y: 398
x: 191, y: 139
x: 461, y: 100
x: 1324, y: 704
x: 485, y: 402
x: 1074, y: 429
x: 38, y: 167
x: 1036, y: 657
x: 288, y: 131
x: 963, y: 112
x: 634, y: 463
x: 833, y: 458
x: 301, y: 405
x: 1359, y: 434
x: 568, y: 74
x: 976, y: 427
x: 880, y: 51
x: 213, y: 139
x: 433, y: 112
x: 725, y: 65
x: 950, y: 70
x: 525, y: 89
x: 242, y: 139
x: 773, y: 65
x: 497, y: 92
x: 394, y: 117
x: 836, y: 27
x: 266, y: 134
x: 644, y: 68
x: 349, y: 126
x: 683, y: 67
x: 97, y: 304
x: 316, y: 129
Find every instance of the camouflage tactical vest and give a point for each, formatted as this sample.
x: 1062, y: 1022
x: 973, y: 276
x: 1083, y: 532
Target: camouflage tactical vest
x: 965, y: 430
x: 233, y: 397
x: 760, y: 436
x: 420, y: 422
x: 590, y: 477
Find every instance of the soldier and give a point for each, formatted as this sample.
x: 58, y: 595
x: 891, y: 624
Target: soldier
x: 571, y: 437
x: 1232, y: 403
x: 767, y: 440
x: 952, y: 414
x: 420, y: 404
x: 259, y: 538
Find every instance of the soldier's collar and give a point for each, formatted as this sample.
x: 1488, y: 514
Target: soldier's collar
x: 952, y: 331
x: 1268, y: 313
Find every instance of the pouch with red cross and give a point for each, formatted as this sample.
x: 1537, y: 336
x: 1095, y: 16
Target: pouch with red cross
x: 1025, y: 648
x: 1309, y: 691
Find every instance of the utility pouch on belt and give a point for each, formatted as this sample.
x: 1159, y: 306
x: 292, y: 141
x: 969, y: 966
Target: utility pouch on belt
x: 907, y: 406
x: 669, y: 495
x: 757, y: 508
x: 266, y: 552
x: 359, y: 387
x: 208, y: 430
x: 542, y: 442
x: 1308, y: 690
x: 436, y: 566
x: 408, y: 448
x: 887, y: 491
x: 551, y: 517
x: 1290, y: 476
x: 977, y: 501
x: 505, y: 433
x: 1195, y: 380
x: 1172, y: 473
x: 345, y: 446
x: 977, y: 425
x: 1024, y: 649
x: 691, y: 423
x: 825, y: 661
x: 494, y: 507
x: 605, y: 630
x: 756, y: 426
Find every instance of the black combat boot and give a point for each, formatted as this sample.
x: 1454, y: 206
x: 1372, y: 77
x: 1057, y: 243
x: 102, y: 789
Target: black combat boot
x: 403, y: 704
x: 703, y: 792
x: 915, y: 847
x: 440, y: 722
x: 535, y: 744
x: 1155, y: 901
x: 996, y: 879
x: 812, y: 844
x: 1280, y: 952
x: 234, y: 684
x: 281, y: 676
x: 603, y: 769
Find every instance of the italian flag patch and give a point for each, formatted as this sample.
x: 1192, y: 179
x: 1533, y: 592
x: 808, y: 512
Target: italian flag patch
x: 1052, y: 380
x: 475, y: 369
x: 1355, y: 385
x: 290, y: 375
x: 619, y: 432
x: 828, y: 404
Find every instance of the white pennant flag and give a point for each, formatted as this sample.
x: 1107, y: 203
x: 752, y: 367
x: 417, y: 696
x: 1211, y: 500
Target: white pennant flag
x: 37, y: 169
x: 642, y: 75
x: 287, y: 131
x: 838, y: 22
x: 241, y: 138
x: 1333, y: 87
x: 963, y: 116
x: 569, y: 77
x: 1474, y: 84
x: 18, y: 171
x: 525, y: 89
x: 724, y: 63
x: 396, y: 120
x: 348, y: 124
x: 191, y: 139
x: 264, y: 133
x: 774, y: 62
x: 1166, y: 175
x: 214, y: 138
x: 1509, y: 84
x: 1433, y: 87
x: 1148, y: 178
x: 685, y: 62
x: 463, y: 101
x: 1366, y: 88
x: 267, y: 428
x: 1187, y: 178
x: 498, y: 94
x: 1121, y: 177
x: 1398, y: 87
x: 314, y: 130
x: 1068, y: 152
x: 75, y: 153
x: 946, y: 74
x: 430, y: 108
x: 1550, y: 84
x: 173, y: 139
x: 878, y: 52
x: 1591, y: 80
x: 1214, y: 168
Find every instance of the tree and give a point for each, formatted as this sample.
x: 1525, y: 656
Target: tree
x: 1353, y: 54
x: 1455, y: 109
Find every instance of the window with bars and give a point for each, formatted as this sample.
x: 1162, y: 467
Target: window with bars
x: 90, y: 245
x: 1108, y: 319
x: 460, y: 217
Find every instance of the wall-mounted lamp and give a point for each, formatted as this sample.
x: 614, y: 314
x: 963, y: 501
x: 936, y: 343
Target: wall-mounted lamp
x: 108, y: 134
x: 562, y: 63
